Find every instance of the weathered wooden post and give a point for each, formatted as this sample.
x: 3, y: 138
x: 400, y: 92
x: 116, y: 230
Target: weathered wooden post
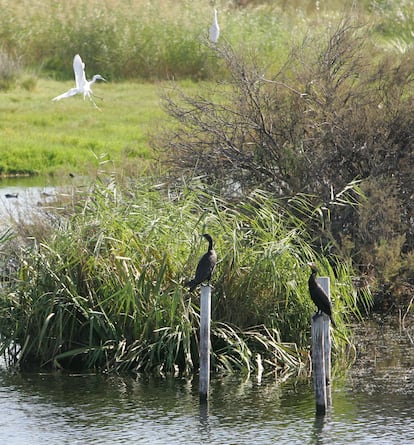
x: 318, y: 364
x: 205, y: 316
x: 321, y: 355
x: 325, y: 284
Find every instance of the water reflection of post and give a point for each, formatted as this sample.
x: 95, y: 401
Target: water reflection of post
x: 317, y: 433
x: 321, y: 356
x: 204, y: 422
x: 205, y: 314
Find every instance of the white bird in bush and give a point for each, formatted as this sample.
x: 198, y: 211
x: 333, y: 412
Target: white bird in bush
x: 83, y: 86
x: 214, y: 32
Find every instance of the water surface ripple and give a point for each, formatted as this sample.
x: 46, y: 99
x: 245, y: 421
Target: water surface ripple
x: 92, y: 409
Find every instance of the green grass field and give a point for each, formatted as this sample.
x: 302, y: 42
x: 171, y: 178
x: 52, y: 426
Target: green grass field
x: 137, y: 41
x: 39, y: 136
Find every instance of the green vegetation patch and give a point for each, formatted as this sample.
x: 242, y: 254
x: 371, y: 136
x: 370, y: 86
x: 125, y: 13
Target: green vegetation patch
x: 103, y: 288
x: 40, y: 136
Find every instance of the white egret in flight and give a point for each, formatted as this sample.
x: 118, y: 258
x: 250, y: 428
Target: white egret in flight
x: 214, y: 29
x: 83, y: 86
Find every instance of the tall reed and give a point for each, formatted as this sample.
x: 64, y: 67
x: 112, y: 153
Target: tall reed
x: 104, y: 289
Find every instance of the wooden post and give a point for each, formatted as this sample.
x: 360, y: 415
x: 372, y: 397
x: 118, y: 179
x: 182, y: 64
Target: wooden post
x: 205, y: 315
x: 318, y: 364
x: 321, y: 356
x: 325, y: 284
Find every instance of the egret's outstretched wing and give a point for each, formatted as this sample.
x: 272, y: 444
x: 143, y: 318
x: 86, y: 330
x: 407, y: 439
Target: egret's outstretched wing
x: 68, y: 93
x: 79, y: 70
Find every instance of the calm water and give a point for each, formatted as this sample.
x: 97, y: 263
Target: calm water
x: 25, y: 198
x: 371, y: 405
x: 55, y: 409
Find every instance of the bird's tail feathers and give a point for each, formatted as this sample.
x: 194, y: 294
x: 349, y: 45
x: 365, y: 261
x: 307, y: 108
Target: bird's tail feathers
x: 192, y: 284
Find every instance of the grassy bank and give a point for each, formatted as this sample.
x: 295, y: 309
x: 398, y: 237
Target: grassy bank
x: 40, y: 136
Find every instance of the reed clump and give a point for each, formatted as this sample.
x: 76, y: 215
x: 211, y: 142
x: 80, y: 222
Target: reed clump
x: 167, y: 39
x: 104, y: 288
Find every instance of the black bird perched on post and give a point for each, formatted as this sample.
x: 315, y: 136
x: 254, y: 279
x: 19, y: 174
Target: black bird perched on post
x: 205, y: 266
x: 318, y: 295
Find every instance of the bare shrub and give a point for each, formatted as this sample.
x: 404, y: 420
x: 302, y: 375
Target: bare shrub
x: 338, y: 110
x: 285, y: 131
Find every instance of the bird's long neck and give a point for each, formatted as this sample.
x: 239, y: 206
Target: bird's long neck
x: 312, y: 278
x: 210, y: 244
x: 215, y: 17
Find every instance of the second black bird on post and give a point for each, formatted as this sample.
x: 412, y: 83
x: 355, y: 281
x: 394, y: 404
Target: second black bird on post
x: 205, y: 266
x: 318, y: 295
